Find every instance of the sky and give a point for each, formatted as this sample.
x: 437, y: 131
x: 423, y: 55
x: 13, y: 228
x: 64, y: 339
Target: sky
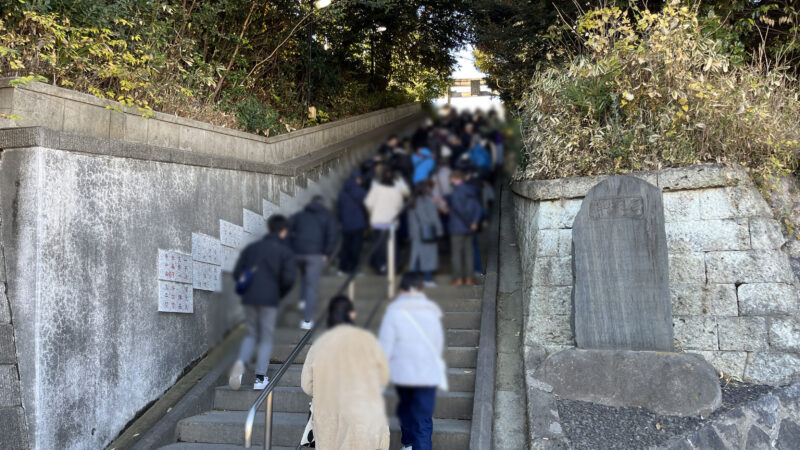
x: 465, y: 67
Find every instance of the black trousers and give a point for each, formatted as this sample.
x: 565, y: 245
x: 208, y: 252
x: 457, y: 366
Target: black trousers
x: 352, y: 242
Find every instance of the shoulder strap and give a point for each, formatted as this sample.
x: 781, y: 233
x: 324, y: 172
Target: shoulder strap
x: 422, y: 332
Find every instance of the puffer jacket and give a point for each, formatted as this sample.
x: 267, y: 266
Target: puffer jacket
x: 273, y: 264
x: 313, y: 231
x: 412, y: 362
x: 350, y: 205
x: 465, y: 210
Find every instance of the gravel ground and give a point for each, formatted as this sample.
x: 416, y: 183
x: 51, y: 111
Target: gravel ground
x: 593, y: 426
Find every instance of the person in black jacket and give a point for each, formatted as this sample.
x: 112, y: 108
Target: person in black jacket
x: 313, y: 233
x: 353, y: 217
x: 272, y: 266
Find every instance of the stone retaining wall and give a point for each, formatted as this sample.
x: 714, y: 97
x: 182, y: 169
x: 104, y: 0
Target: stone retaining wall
x: 734, y: 295
x: 39, y: 104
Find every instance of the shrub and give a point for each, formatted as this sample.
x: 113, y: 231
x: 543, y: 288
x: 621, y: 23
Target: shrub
x: 256, y: 117
x: 652, y: 90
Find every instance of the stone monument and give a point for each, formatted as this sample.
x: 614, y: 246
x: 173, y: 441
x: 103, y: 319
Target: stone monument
x: 621, y: 288
x: 622, y: 317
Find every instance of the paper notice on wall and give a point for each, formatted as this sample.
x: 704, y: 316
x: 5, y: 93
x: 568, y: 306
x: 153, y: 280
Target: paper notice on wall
x: 254, y: 223
x: 175, y: 297
x: 207, y: 277
x: 205, y: 248
x: 230, y: 234
x: 229, y: 258
x: 174, y: 266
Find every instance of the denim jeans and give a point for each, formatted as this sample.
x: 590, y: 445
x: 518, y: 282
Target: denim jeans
x: 415, y: 411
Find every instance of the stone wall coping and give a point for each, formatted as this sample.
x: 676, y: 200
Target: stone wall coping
x: 700, y: 176
x: 68, y: 94
x: 28, y: 137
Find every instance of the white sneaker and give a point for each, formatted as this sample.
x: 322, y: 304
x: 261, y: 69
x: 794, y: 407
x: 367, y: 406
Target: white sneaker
x: 260, y: 385
x: 429, y: 284
x: 235, y: 377
x: 306, y: 325
x: 408, y: 447
x: 341, y: 274
x: 301, y: 305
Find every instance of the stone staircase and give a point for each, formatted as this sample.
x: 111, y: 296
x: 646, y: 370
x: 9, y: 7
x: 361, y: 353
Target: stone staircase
x: 223, y: 427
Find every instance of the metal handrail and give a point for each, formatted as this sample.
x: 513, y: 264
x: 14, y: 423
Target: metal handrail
x: 266, y: 394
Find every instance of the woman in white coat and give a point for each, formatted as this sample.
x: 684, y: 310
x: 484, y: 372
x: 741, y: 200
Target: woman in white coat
x: 412, y: 337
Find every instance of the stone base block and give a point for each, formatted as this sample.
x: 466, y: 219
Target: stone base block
x: 675, y: 384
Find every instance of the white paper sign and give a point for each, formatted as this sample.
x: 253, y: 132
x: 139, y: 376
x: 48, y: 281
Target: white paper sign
x: 174, y: 266
x: 229, y: 258
x: 175, y: 297
x: 254, y: 223
x: 231, y: 235
x: 207, y: 277
x: 205, y: 248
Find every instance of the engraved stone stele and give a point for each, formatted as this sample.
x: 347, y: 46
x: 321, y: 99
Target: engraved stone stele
x: 622, y: 317
x: 621, y: 273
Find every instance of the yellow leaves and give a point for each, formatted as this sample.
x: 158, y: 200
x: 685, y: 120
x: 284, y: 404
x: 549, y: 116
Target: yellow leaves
x: 685, y: 108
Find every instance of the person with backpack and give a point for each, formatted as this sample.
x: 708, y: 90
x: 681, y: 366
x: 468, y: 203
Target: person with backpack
x: 313, y: 234
x: 265, y: 273
x: 345, y: 373
x: 353, y: 219
x: 412, y: 336
x: 465, y: 216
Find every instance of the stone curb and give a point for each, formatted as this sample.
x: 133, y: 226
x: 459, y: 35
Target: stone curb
x: 699, y: 176
x: 769, y: 422
x: 25, y: 137
x: 483, y: 403
x: 80, y: 97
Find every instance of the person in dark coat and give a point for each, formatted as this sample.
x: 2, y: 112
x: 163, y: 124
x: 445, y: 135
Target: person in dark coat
x: 353, y: 219
x: 313, y: 233
x: 465, y: 215
x: 272, y: 266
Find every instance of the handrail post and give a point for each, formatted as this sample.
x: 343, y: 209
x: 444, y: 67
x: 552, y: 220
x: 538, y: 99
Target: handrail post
x: 391, y: 260
x: 268, y: 423
x: 351, y: 289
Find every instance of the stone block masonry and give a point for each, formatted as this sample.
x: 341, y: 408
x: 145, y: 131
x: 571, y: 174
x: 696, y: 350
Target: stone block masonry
x: 733, y: 293
x: 83, y: 219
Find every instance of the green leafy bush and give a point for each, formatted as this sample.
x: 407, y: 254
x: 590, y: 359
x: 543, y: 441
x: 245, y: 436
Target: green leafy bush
x: 256, y: 117
x: 653, y: 90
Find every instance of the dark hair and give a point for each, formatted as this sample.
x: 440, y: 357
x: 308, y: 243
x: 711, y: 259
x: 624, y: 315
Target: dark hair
x: 277, y: 223
x: 412, y: 280
x: 420, y: 190
x: 339, y: 310
x: 387, y: 178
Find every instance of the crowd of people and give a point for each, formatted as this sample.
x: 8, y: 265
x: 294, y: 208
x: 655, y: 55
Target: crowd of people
x: 433, y: 185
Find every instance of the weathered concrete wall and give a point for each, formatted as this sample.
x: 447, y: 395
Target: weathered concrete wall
x: 39, y: 104
x: 82, y: 221
x: 13, y: 426
x: 734, y: 295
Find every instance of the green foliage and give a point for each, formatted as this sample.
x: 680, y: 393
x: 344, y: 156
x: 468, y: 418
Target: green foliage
x: 256, y: 117
x: 653, y: 90
x: 216, y: 61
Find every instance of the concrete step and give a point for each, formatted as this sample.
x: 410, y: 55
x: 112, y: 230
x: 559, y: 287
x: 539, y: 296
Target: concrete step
x: 199, y: 446
x: 449, y: 405
x: 462, y: 357
x: 451, y: 320
x: 460, y: 379
x: 227, y: 427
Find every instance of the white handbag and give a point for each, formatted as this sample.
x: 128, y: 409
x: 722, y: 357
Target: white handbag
x: 443, y: 385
